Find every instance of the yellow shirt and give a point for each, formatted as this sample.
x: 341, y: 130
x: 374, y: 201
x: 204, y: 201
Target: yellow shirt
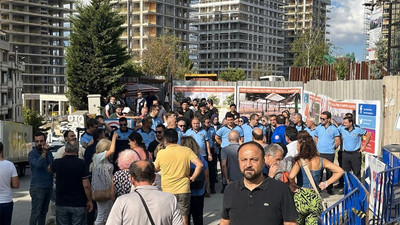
x: 174, y: 164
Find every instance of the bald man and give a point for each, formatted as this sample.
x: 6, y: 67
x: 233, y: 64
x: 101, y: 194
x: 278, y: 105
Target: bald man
x: 258, y: 136
x: 229, y: 158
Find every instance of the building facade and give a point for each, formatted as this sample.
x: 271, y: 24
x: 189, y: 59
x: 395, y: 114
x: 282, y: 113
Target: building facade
x: 39, y: 29
x: 244, y: 34
x: 302, y: 15
x: 10, y: 82
x: 152, y: 18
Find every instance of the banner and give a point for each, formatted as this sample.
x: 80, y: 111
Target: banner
x: 375, y: 166
x: 268, y: 100
x: 375, y: 31
x: 222, y: 96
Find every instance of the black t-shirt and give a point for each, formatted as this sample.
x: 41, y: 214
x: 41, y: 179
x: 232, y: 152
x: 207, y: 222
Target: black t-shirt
x: 89, y: 152
x: 70, y: 171
x: 270, y: 203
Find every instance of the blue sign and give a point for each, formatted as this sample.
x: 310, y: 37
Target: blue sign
x: 366, y: 122
x: 367, y: 109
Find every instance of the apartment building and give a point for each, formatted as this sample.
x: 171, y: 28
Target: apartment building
x: 302, y: 15
x: 39, y: 29
x: 244, y: 34
x: 151, y: 18
x: 10, y: 82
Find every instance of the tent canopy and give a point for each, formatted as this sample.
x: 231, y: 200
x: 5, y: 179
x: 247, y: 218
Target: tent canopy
x: 133, y: 89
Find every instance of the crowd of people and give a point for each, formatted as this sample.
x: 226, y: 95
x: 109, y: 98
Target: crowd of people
x: 161, y: 170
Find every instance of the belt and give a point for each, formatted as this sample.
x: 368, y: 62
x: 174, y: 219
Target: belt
x: 351, y: 152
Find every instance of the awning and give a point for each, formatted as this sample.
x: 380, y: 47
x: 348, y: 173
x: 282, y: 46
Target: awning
x: 133, y: 89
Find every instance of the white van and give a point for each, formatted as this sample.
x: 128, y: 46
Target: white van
x: 272, y: 78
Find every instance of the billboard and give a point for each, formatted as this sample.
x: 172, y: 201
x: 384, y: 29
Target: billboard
x: 375, y: 31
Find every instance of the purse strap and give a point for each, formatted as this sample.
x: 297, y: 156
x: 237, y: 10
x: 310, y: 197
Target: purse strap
x: 146, y: 208
x: 310, y: 178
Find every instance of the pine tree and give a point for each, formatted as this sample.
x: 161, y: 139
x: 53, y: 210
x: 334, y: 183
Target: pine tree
x: 379, y: 65
x: 96, y: 59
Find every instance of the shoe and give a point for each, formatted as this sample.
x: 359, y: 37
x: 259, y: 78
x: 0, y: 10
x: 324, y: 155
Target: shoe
x: 213, y: 191
x: 339, y: 186
x: 330, y: 192
x: 207, y: 195
x: 341, y: 192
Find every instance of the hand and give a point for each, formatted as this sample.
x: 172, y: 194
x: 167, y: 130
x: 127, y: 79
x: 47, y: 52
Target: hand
x: 89, y: 206
x: 115, y: 135
x: 210, y: 158
x: 363, y: 147
x: 191, y: 179
x: 45, y: 147
x: 227, y: 181
x: 293, y: 187
x: 100, y: 120
x: 323, y: 185
x: 273, y: 169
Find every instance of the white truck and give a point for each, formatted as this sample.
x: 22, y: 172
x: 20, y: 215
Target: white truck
x: 17, y: 141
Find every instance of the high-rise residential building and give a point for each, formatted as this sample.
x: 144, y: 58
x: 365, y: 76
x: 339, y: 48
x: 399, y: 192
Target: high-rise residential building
x: 38, y: 30
x: 246, y: 34
x: 151, y: 18
x: 302, y: 15
x: 10, y: 82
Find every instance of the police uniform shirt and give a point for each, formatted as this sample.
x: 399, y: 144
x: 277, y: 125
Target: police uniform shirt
x: 248, y: 129
x: 326, y: 138
x: 311, y: 132
x: 223, y: 133
x: 352, y: 139
x: 156, y: 120
x: 210, y: 134
x: 148, y: 137
x: 86, y: 138
x: 279, y: 135
x: 201, y: 137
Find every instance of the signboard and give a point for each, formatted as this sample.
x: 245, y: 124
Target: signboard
x: 114, y: 123
x: 269, y: 100
x: 222, y: 96
x: 375, y: 28
x: 375, y: 166
x: 368, y: 114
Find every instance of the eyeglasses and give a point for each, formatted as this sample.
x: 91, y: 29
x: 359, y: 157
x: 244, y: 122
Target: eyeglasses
x: 240, y: 121
x: 158, y: 132
x: 323, y: 118
x: 181, y: 125
x: 123, y: 125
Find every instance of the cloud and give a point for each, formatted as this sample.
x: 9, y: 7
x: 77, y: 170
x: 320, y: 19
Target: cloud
x: 347, y: 23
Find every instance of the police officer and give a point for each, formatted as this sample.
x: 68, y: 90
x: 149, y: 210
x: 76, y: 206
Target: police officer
x: 327, y: 138
x: 352, y: 147
x: 221, y: 136
x: 249, y: 127
x: 122, y: 142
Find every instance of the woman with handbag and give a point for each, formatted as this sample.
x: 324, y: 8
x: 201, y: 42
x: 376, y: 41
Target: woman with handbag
x: 121, y: 182
x: 197, y: 187
x: 307, y: 168
x: 102, y: 188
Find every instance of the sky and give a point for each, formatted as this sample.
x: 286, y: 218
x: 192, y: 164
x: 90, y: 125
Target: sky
x: 347, y: 27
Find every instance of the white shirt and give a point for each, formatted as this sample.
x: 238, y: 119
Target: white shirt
x: 60, y: 152
x: 7, y: 171
x: 128, y: 209
x: 292, y: 149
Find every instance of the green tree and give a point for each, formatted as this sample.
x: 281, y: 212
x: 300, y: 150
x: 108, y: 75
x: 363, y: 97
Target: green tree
x: 215, y: 99
x: 34, y: 119
x: 96, y: 59
x: 232, y: 75
x: 229, y: 99
x: 309, y: 49
x: 165, y: 52
x: 341, y: 69
x: 379, y: 65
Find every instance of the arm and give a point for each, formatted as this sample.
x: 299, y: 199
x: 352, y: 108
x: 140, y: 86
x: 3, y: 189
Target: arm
x: 367, y: 139
x: 88, y: 192
x: 337, y: 172
x: 106, y: 111
x: 292, y: 176
x: 290, y: 223
x: 38, y: 160
x: 208, y: 151
x: 14, y: 182
x: 241, y: 140
x: 225, y: 170
x: 112, y: 147
x: 224, y: 222
x: 337, y: 141
x: 218, y: 139
x: 207, y: 176
x: 316, y: 140
x: 199, y: 165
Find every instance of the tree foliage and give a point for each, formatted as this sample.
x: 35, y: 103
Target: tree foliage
x: 381, y: 52
x: 165, y: 52
x: 96, y: 59
x: 34, y: 119
x: 232, y: 75
x: 341, y: 69
x: 309, y: 49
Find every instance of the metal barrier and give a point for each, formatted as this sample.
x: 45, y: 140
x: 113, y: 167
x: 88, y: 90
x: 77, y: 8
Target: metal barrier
x: 352, y: 209
x: 387, y: 197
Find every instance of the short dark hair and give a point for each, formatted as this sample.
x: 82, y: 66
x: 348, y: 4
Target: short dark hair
x: 230, y: 115
x: 38, y: 134
x: 122, y: 119
x: 280, y: 119
x: 97, y: 133
x: 91, y: 122
x: 171, y: 136
x: 291, y: 133
x: 327, y: 114
x: 210, y: 101
x: 350, y: 119
x: 257, y: 136
x: 140, y: 174
x: 161, y: 125
x: 66, y: 133
x: 233, y: 104
x: 253, y: 116
x: 98, y: 117
x: 349, y: 115
x: 259, y: 147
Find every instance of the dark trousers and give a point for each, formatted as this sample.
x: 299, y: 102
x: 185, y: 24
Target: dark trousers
x: 352, y: 162
x: 212, y: 166
x: 91, y: 216
x: 330, y: 157
x: 340, y: 160
x: 6, y: 210
x: 196, y: 209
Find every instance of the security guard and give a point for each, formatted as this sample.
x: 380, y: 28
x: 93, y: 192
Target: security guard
x: 327, y: 138
x: 122, y: 142
x: 279, y: 133
x: 352, y: 147
x: 249, y: 127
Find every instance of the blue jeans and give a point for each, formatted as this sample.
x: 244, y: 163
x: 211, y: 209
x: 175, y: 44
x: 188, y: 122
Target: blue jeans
x: 6, y: 210
x: 40, y: 204
x: 66, y: 215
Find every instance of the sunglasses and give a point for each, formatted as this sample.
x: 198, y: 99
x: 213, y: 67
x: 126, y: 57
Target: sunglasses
x: 181, y: 125
x: 158, y: 132
x: 123, y: 125
x: 241, y: 121
x: 323, y: 118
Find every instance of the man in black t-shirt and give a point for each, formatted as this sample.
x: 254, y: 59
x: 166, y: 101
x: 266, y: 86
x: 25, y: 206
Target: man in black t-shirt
x: 159, y: 139
x: 256, y: 198
x: 73, y: 193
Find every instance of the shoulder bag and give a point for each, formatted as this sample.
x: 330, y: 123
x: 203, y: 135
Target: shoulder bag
x: 146, y: 208
x: 311, y: 179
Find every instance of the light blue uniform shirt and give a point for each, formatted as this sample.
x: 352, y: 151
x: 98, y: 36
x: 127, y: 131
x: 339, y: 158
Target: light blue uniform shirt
x: 311, y: 132
x: 86, y: 137
x: 156, y: 121
x: 248, y: 129
x: 124, y: 136
x: 223, y: 133
x: 148, y: 137
x: 210, y: 133
x: 201, y: 137
x: 326, y: 138
x: 352, y: 139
